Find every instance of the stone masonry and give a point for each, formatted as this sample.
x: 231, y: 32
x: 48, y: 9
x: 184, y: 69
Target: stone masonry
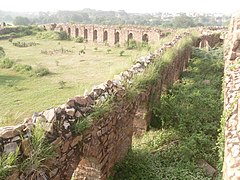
x: 92, y: 153
x: 231, y: 166
x: 110, y: 35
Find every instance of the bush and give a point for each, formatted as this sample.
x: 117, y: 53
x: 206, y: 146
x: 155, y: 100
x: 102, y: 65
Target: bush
x: 2, y: 52
x: 79, y: 40
x: 62, y: 35
x: 108, y: 51
x: 6, y: 63
x: 41, y: 71
x: 53, y: 35
x: 47, y: 35
x: 131, y: 44
x: 121, y: 53
x: 22, y: 68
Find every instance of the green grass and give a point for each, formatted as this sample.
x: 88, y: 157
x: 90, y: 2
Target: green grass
x: 80, y: 72
x: 184, y: 128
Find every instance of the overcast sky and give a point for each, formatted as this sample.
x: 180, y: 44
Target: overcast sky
x: 136, y: 6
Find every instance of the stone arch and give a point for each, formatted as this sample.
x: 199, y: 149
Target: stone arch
x: 95, y: 36
x: 69, y: 31
x: 130, y: 36
x: 116, y: 38
x: 85, y: 34
x: 76, y: 32
x: 105, y: 36
x: 145, y: 38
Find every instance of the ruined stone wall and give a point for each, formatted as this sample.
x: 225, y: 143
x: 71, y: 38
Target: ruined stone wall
x: 231, y: 164
x: 92, y: 153
x: 138, y: 33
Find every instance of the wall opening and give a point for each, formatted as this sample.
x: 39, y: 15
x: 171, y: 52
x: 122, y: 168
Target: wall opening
x: 116, y: 38
x: 130, y: 36
x: 76, y: 32
x: 95, y: 36
x: 85, y: 34
x: 105, y: 36
x: 145, y: 38
x: 69, y: 31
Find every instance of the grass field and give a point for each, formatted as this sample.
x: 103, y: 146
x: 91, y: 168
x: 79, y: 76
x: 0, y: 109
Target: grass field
x: 21, y: 94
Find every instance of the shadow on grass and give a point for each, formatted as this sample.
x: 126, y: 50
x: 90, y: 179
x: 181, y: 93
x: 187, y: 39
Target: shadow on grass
x: 4, y: 79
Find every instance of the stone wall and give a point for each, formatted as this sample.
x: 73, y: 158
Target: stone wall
x: 109, y: 34
x: 92, y: 153
x: 231, y: 165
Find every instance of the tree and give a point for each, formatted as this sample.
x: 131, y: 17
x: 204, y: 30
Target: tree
x: 183, y: 21
x: 19, y: 20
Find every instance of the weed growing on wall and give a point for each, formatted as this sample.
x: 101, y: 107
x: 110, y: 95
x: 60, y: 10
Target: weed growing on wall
x: 41, y: 150
x: 151, y: 74
x: 8, y: 163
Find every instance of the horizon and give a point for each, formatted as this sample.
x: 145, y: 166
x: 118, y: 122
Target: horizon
x: 185, y: 6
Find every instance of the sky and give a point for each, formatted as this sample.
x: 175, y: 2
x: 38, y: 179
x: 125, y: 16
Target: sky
x: 130, y: 6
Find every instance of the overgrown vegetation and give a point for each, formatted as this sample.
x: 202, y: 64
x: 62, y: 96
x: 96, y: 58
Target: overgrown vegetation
x: 79, y: 40
x: 40, y: 151
x: 7, y: 163
x: 23, y: 44
x: 41, y: 71
x: 133, y: 44
x: 151, y: 74
x: 184, y: 128
x: 53, y: 35
x: 20, y: 31
x: 99, y: 110
x: 6, y: 63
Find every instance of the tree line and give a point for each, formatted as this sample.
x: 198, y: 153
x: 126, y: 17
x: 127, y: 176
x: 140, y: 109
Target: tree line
x: 90, y: 16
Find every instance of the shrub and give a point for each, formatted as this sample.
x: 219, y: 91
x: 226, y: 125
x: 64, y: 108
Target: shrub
x: 41, y: 151
x: 22, y: 68
x: 132, y: 44
x: 41, y: 71
x: 6, y: 63
x: 47, y: 35
x: 121, y: 53
x: 79, y: 40
x: 2, y: 52
x: 62, y: 84
x: 82, y: 51
x: 108, y: 51
x: 53, y: 35
x: 62, y: 35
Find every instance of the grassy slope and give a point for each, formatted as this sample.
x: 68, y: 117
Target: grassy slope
x: 184, y: 129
